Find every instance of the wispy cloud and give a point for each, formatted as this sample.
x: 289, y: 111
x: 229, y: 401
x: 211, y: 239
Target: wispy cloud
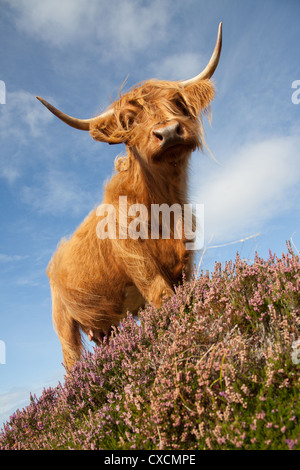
x: 21, y: 120
x: 22, y: 117
x: 125, y: 26
x: 58, y: 193
x: 4, y: 258
x: 53, y: 21
x: 177, y: 66
x: 261, y: 181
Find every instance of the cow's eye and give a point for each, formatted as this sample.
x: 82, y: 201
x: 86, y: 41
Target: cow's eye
x: 130, y: 120
x: 127, y: 120
x: 181, y: 106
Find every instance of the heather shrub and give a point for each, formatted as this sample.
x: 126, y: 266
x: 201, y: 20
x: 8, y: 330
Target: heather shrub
x: 216, y: 367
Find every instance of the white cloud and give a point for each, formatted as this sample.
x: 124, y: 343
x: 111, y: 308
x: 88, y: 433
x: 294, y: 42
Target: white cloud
x: 53, y: 21
x: 260, y: 182
x: 11, y: 258
x: 121, y: 25
x: 58, y: 193
x: 178, y: 66
x: 22, y: 116
x: 8, y: 173
x: 132, y: 24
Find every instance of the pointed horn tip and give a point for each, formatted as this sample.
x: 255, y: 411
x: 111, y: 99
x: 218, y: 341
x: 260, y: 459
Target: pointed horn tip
x: 220, y: 30
x: 40, y: 99
x: 212, y: 64
x: 82, y: 124
x: 219, y: 38
x: 45, y: 103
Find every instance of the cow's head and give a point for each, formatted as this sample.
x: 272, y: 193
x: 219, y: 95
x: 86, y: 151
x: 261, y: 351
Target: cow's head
x: 159, y: 120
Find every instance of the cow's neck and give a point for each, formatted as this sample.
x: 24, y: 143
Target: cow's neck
x: 159, y: 183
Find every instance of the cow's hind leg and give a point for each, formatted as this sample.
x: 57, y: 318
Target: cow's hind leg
x: 67, y: 330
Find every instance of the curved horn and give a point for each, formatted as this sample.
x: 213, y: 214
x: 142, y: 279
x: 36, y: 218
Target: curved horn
x: 82, y: 124
x: 212, y: 64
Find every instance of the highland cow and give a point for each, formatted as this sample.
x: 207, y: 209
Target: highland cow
x: 95, y: 281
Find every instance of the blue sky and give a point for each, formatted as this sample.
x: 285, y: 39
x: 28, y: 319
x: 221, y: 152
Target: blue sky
x: 76, y: 54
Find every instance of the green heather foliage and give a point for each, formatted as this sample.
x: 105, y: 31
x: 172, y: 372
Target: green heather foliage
x: 216, y: 367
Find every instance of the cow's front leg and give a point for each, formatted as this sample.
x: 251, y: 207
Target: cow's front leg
x: 144, y: 272
x: 158, y: 290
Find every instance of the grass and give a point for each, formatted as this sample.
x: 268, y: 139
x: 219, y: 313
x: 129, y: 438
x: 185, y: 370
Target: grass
x: 216, y: 367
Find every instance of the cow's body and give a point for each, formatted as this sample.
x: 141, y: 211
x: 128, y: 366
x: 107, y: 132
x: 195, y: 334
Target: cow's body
x: 94, y: 280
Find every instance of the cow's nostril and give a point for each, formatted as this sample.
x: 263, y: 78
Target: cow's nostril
x: 158, y: 134
x: 169, y: 134
x: 178, y: 129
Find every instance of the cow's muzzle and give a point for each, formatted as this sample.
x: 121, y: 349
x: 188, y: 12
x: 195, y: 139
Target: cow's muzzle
x: 169, y: 135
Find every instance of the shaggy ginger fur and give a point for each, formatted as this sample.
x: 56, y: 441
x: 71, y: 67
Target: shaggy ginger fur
x: 95, y: 281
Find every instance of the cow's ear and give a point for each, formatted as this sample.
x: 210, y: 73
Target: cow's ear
x: 200, y: 95
x: 107, y: 130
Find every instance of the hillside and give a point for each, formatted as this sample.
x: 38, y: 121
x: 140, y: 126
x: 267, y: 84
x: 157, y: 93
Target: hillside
x: 216, y: 367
